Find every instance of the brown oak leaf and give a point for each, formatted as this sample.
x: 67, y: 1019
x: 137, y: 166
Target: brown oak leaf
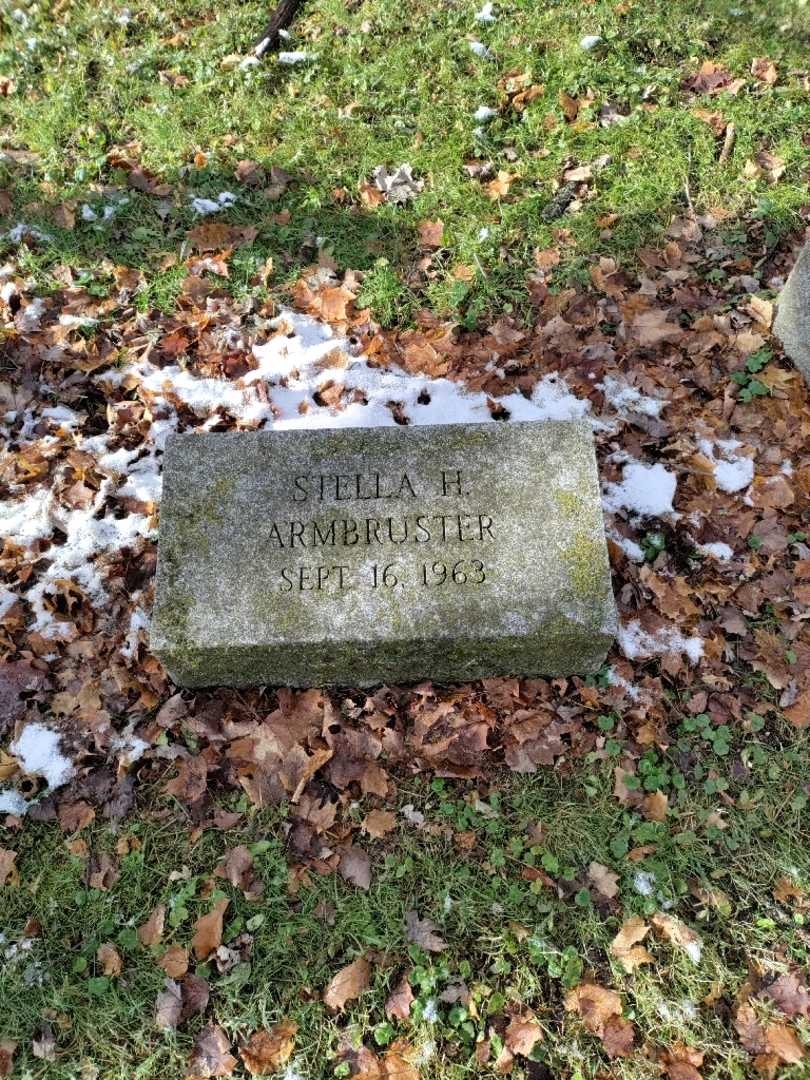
x: 423, y: 932
x: 523, y: 1033
x: 625, y: 945
x: 398, y: 1005
x: 266, y: 1050
x: 211, y: 1055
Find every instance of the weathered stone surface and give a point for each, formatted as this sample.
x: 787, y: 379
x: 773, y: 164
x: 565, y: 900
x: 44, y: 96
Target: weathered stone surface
x: 362, y: 556
x: 792, y: 322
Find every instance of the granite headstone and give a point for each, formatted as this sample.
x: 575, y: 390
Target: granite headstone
x: 362, y: 556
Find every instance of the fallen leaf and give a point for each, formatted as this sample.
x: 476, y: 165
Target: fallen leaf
x: 625, y: 945
x: 349, y: 983
x: 267, y: 1051
x: 7, y: 1052
x: 237, y: 868
x: 569, y: 106
x: 603, y: 880
x: 379, y: 822
x: 423, y: 932
x: 9, y: 874
x: 217, y: 236
x: 431, y: 233
x: 370, y: 195
x: 355, y: 866
x: 169, y: 1006
x: 211, y: 1055
x: 782, y: 1041
x: 716, y: 121
x: 75, y: 816
x: 398, y: 1005
x: 682, y: 1062
x: 523, y: 1033
x: 618, y: 1037
x: 110, y: 959
x: 208, y: 931
x: 175, y: 961
x: 195, y: 993
x: 64, y: 215
x: 655, y: 806
x: 786, y: 891
x: 764, y: 70
x: 499, y: 187
x: 679, y: 934
x: 43, y: 1046
x: 152, y: 930
x: 789, y: 994
x: 595, y: 1004
x: 578, y: 174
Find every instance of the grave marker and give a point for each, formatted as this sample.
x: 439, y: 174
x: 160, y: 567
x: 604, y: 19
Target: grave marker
x: 363, y: 556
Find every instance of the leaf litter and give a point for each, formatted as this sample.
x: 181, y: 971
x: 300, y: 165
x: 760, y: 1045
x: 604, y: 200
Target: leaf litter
x: 649, y: 360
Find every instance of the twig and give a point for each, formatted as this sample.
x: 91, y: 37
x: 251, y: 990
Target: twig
x: 728, y: 143
x: 281, y: 18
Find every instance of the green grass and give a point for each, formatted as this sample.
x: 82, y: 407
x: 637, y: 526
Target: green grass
x: 391, y: 83
x: 509, y: 939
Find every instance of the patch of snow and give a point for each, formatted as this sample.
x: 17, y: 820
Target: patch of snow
x: 430, y: 1013
x: 26, y: 521
x: 484, y: 113
x: 86, y: 537
x: 77, y: 320
x: 292, y: 1072
x: 694, y: 951
x: 483, y: 233
x: 485, y: 15
x: 590, y: 41
x: 480, y: 50
x: 7, y: 600
x: 645, y: 491
x: 615, y: 679
x: 30, y: 318
x: 37, y: 750
x: 413, y: 816
x: 625, y: 398
x: 732, y: 472
x: 290, y: 368
x: 721, y: 552
x: 293, y: 57
x: 631, y: 549
x: 21, y: 232
x: 63, y: 415
x: 644, y: 882
x: 637, y: 643
x: 129, y: 747
x: 224, y: 200
x: 138, y: 622
x: 12, y: 802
